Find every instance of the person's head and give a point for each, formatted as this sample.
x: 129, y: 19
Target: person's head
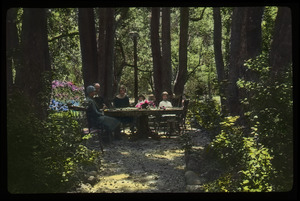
x: 97, y: 87
x: 151, y: 97
x: 165, y: 95
x: 141, y: 97
x: 122, y: 89
x: 90, y: 91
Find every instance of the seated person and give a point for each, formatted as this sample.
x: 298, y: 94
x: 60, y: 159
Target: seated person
x: 141, y: 99
x: 121, y: 100
x: 152, y: 99
x: 98, y: 99
x: 96, y: 118
x: 165, y: 103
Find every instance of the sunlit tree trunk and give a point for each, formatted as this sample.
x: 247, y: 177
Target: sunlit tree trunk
x: 218, y: 53
x: 182, y: 72
x: 156, y: 54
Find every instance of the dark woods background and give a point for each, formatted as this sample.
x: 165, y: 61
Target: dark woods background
x: 230, y: 61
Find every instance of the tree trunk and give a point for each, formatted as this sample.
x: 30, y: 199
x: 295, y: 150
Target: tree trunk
x: 166, y: 52
x: 35, y: 58
x: 12, y: 45
x: 218, y: 53
x: 106, y: 52
x: 245, y: 31
x: 182, y: 71
x: 281, y: 47
x: 87, y: 33
x: 109, y: 54
x: 156, y: 55
x: 101, y: 49
x: 254, y: 36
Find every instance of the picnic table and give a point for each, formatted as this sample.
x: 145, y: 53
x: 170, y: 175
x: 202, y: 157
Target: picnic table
x: 143, y: 130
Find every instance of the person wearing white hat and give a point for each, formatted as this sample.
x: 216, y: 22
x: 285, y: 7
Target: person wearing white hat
x: 165, y: 103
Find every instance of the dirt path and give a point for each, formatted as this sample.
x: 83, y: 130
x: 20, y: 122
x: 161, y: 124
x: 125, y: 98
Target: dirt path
x: 140, y: 166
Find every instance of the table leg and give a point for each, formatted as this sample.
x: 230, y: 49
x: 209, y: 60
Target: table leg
x: 143, y: 130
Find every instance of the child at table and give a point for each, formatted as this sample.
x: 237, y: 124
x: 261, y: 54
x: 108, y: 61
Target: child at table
x: 165, y: 103
x: 141, y: 100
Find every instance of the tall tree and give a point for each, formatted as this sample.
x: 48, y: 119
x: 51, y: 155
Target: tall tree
x: 35, y: 56
x: 182, y: 71
x: 218, y: 53
x: 281, y: 47
x: 101, y: 49
x: 12, y: 44
x: 106, y: 51
x: 156, y: 54
x: 166, y: 51
x: 87, y: 33
x: 109, y: 53
x: 245, y: 31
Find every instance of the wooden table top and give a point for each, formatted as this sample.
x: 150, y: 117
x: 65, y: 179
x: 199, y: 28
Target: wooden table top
x: 140, y: 112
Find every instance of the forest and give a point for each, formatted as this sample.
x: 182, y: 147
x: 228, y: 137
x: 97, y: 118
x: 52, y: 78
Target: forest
x: 234, y: 64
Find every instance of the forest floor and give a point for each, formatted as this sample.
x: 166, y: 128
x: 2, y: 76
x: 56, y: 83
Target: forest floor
x: 138, y: 166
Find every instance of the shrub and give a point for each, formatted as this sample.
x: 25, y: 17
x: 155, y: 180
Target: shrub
x: 269, y: 101
x: 206, y: 113
x: 247, y: 162
x: 44, y: 156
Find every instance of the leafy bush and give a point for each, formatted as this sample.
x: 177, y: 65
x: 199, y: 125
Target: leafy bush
x: 206, y: 113
x: 269, y: 101
x: 63, y: 152
x: 247, y: 162
x: 43, y: 156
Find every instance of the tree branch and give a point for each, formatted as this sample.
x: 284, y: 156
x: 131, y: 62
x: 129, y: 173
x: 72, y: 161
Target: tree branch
x: 64, y: 35
x: 199, y: 18
x: 129, y: 65
x: 197, y: 66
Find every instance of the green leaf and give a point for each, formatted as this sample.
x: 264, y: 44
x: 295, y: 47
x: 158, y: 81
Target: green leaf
x: 245, y: 181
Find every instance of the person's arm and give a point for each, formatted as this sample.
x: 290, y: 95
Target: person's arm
x: 115, y: 102
x: 94, y: 108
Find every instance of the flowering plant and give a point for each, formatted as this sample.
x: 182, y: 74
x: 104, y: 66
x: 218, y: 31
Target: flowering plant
x: 64, y: 93
x: 144, y: 104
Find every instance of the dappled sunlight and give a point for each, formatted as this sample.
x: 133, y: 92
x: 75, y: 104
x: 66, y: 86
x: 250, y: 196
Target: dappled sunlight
x: 124, y: 183
x: 169, y: 154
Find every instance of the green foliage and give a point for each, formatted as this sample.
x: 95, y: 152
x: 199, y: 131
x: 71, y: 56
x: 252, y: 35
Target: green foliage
x: 269, y: 101
x: 258, y: 171
x: 228, y: 144
x: 21, y: 126
x: 247, y: 163
x: 64, y: 44
x: 63, y: 152
x: 207, y: 113
x: 43, y: 156
x: 268, y: 23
